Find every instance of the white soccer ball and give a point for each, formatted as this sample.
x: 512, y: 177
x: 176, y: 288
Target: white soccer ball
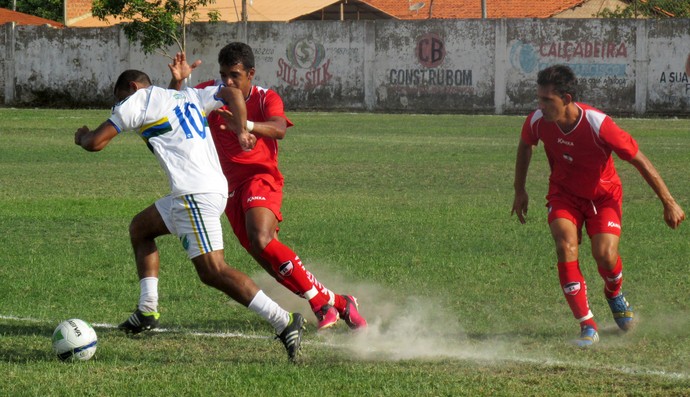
x: 74, y: 339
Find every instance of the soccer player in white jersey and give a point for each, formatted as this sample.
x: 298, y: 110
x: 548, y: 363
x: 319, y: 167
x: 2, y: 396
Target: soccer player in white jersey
x: 584, y: 190
x: 173, y: 124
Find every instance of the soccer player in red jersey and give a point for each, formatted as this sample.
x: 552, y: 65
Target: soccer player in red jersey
x: 584, y: 190
x: 256, y: 184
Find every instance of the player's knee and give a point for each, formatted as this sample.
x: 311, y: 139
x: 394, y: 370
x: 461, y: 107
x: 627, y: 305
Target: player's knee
x: 605, y: 256
x: 566, y: 248
x: 136, y: 228
x: 208, y: 276
x: 144, y: 226
x: 258, y: 241
x: 209, y: 271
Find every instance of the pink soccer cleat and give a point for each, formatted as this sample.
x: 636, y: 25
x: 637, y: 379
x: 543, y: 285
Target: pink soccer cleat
x: 351, y: 315
x: 327, y: 316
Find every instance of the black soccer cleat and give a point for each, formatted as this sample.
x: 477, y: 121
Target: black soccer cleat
x: 140, y: 322
x: 292, y: 335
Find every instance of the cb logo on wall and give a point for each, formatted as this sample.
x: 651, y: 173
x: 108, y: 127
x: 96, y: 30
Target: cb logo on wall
x: 305, y: 64
x: 430, y: 50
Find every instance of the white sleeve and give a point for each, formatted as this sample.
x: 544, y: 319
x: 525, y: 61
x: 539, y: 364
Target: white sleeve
x: 209, y: 97
x: 128, y: 115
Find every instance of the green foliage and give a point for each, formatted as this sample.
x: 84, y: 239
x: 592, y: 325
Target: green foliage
x: 649, y: 9
x: 154, y: 24
x: 49, y: 9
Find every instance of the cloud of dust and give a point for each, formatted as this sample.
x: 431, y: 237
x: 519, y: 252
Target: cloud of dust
x: 400, y: 326
x: 404, y: 326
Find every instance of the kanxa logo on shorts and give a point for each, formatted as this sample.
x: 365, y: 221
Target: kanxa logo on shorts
x: 614, y: 225
x: 285, y: 268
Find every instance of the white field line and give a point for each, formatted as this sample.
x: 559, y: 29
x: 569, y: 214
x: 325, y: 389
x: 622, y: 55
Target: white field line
x: 544, y: 362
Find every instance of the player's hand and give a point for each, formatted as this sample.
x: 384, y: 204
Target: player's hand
x: 230, y: 123
x: 247, y: 140
x: 520, y: 203
x: 180, y: 69
x: 673, y: 215
x: 227, y: 116
x: 80, y: 134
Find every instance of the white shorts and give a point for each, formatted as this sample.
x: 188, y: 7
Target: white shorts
x: 195, y: 219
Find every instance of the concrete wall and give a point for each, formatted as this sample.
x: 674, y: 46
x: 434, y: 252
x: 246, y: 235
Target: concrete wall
x: 438, y: 66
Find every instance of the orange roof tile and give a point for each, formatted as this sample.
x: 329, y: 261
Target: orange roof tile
x: 20, y: 18
x: 257, y: 10
x: 288, y: 10
x: 421, y: 9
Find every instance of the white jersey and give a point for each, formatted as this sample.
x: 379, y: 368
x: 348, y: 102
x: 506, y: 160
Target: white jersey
x: 173, y: 124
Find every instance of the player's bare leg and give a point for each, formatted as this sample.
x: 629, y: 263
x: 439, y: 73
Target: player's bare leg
x: 215, y: 272
x: 145, y: 227
x: 143, y: 230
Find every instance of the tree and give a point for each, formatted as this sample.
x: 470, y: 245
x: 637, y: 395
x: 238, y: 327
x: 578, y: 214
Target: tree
x: 649, y: 9
x: 155, y: 24
x: 48, y: 9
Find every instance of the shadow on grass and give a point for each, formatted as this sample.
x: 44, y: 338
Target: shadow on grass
x: 22, y: 355
x: 256, y: 328
x: 26, y: 330
x: 25, y: 352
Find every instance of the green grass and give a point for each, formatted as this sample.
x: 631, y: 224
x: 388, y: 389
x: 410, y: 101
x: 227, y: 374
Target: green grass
x: 411, y: 213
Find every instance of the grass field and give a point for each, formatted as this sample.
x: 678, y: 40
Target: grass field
x: 411, y: 213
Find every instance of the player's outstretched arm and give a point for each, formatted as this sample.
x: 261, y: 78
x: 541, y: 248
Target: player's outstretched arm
x: 274, y: 127
x: 236, y: 116
x: 234, y: 100
x: 673, y: 213
x: 180, y: 70
x: 521, y: 199
x: 95, y: 140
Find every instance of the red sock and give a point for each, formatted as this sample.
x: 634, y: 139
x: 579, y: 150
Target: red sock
x: 575, y: 292
x: 334, y: 299
x: 613, y: 279
x: 339, y: 303
x: 295, y: 277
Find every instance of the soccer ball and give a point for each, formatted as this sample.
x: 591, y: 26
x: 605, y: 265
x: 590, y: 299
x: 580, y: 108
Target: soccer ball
x: 74, y: 339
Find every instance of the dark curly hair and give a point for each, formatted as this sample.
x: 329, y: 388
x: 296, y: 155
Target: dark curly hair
x: 235, y: 53
x: 122, y: 83
x: 561, y: 77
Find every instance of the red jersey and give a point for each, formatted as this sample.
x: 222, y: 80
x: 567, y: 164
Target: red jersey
x: 580, y: 160
x: 238, y: 165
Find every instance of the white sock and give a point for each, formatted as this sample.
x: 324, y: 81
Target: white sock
x: 270, y: 311
x: 148, y: 297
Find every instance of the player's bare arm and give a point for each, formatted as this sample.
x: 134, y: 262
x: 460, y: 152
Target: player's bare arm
x: 95, y: 140
x: 673, y: 213
x: 521, y: 199
x: 236, y: 116
x: 246, y: 140
x: 180, y: 70
x: 274, y: 128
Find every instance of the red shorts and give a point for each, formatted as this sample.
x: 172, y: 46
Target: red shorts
x: 261, y: 191
x: 602, y: 215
